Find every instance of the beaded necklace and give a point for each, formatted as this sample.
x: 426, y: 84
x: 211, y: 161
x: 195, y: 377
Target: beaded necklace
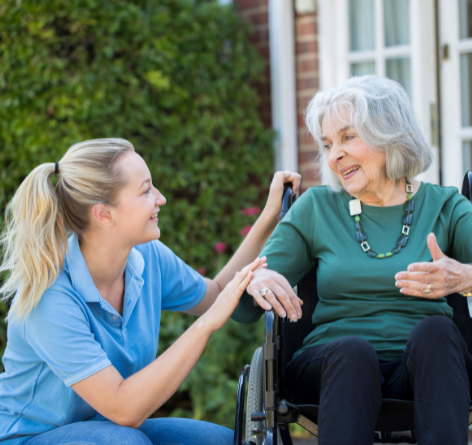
x: 355, y: 210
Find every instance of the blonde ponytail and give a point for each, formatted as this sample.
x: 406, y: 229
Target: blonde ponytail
x: 37, y: 218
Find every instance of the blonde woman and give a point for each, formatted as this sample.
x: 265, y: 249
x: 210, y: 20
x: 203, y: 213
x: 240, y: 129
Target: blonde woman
x: 80, y: 363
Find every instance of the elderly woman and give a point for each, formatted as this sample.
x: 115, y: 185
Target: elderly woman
x: 389, y: 249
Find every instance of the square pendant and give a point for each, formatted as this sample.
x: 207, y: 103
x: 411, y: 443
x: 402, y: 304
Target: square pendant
x: 355, y: 207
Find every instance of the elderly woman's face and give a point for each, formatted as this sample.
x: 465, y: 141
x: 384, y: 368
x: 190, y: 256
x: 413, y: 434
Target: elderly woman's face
x: 361, y: 170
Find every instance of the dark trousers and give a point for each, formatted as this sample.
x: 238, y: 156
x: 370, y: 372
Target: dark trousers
x: 346, y: 379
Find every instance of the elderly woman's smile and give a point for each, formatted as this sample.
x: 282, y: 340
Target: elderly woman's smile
x: 349, y: 172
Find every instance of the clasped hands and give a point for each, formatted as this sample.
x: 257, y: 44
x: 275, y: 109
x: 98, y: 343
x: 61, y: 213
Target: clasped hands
x: 280, y: 295
x: 442, y: 276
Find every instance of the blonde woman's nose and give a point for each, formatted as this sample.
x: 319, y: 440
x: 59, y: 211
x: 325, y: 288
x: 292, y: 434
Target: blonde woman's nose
x: 160, y: 200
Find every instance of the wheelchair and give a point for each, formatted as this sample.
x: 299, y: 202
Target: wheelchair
x: 263, y: 416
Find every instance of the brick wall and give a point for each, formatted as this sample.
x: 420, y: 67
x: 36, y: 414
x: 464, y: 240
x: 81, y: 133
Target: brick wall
x: 257, y: 13
x: 306, y: 59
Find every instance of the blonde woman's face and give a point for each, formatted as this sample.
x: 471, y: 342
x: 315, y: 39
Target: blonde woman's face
x: 136, y: 215
x: 360, y: 169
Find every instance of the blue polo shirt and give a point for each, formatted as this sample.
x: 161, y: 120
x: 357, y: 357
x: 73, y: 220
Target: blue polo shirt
x: 73, y: 333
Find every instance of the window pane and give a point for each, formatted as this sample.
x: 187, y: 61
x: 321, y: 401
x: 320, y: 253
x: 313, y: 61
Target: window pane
x: 399, y: 70
x: 363, y: 68
x: 397, y: 22
x: 361, y: 25
x: 466, y: 88
x: 465, y: 19
x: 466, y: 156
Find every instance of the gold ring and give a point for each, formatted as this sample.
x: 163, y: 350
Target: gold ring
x: 428, y: 289
x: 264, y: 292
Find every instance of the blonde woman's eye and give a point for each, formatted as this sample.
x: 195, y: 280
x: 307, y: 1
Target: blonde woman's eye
x: 148, y: 190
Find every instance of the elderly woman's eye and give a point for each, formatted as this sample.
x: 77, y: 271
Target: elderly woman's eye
x: 327, y: 146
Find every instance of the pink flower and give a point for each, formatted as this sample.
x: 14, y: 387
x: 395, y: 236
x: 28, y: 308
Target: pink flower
x: 201, y: 271
x: 245, y: 230
x: 249, y: 211
x: 220, y: 247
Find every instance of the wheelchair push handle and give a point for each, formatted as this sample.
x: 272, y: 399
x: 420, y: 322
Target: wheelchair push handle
x: 467, y: 186
x: 288, y: 198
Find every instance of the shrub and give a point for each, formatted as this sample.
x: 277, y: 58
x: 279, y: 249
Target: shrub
x: 175, y: 78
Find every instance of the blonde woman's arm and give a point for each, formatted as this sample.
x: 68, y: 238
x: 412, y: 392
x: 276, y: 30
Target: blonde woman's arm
x: 254, y: 241
x: 129, y: 402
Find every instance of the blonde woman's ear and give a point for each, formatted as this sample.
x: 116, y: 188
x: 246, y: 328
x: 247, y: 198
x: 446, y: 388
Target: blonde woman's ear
x: 102, y: 215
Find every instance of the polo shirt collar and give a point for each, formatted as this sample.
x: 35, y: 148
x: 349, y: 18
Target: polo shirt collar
x: 135, y: 263
x: 82, y: 280
x: 80, y: 276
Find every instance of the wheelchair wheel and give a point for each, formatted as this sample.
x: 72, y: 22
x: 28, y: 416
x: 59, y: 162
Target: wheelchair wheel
x: 254, y: 396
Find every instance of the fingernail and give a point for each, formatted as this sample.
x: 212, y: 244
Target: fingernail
x: 268, y: 307
x: 299, y: 314
x: 396, y: 283
x: 398, y: 277
x: 294, y: 317
x: 283, y: 313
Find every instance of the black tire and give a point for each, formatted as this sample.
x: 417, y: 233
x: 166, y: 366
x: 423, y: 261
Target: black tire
x: 254, y: 396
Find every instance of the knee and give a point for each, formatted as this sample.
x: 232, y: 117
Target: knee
x: 352, y: 359
x: 186, y: 432
x: 435, y: 330
x: 437, y: 335
x: 94, y: 432
x: 353, y: 350
x: 122, y: 435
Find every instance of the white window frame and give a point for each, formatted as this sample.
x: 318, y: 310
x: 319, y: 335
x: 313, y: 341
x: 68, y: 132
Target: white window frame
x: 335, y: 59
x: 451, y: 123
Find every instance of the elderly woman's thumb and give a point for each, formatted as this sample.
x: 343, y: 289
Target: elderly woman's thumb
x: 434, y: 248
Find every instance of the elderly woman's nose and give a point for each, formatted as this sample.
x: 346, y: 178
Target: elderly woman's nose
x: 336, y: 154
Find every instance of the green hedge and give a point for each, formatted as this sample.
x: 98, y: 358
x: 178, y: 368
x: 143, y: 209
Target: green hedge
x: 176, y: 78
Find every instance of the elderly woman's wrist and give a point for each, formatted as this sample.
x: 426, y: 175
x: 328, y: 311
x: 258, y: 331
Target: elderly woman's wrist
x: 466, y: 290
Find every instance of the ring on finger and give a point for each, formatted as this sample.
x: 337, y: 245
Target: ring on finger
x: 427, y: 290
x: 264, y: 292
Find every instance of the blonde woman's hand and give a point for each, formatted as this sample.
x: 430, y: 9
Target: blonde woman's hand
x: 274, y: 201
x: 225, y: 304
x: 442, y: 276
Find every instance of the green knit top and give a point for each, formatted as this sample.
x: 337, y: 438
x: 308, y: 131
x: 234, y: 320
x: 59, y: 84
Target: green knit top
x: 357, y: 294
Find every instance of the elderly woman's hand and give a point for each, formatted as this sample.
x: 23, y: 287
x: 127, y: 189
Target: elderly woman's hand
x: 274, y: 201
x: 442, y: 276
x: 278, y: 293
